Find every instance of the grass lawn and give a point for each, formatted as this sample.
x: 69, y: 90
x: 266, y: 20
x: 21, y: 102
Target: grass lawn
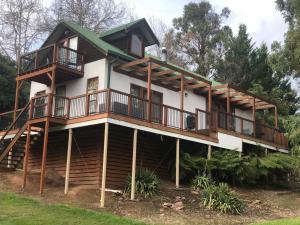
x: 16, y: 210
x: 292, y: 221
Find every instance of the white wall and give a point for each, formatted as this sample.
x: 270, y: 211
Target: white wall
x: 192, y: 101
x: 78, y: 86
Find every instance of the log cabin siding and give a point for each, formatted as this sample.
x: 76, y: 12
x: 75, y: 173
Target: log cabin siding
x: 87, y: 152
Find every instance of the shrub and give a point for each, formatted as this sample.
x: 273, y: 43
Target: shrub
x: 201, y: 182
x: 146, y: 183
x: 220, y: 198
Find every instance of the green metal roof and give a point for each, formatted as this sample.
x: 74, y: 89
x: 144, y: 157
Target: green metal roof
x: 93, y: 37
x: 120, y: 28
x: 108, y: 49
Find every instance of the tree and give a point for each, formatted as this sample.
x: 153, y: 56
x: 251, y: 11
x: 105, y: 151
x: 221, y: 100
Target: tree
x: 98, y: 15
x: 236, y: 68
x: 8, y: 84
x: 18, y: 26
x: 291, y: 12
x: 201, y: 37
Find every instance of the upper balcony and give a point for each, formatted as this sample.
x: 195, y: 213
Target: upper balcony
x: 66, y: 63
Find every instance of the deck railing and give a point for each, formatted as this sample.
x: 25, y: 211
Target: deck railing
x: 250, y: 128
x: 49, y: 55
x: 113, y: 101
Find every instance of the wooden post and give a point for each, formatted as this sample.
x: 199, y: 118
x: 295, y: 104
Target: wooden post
x: 52, y: 92
x: 104, y: 164
x: 240, y: 155
x: 228, y: 117
x: 177, y: 161
x: 45, y: 147
x: 27, y: 148
x: 276, y: 117
x: 135, y: 132
x: 181, y: 100
x: 68, y: 161
x: 16, y: 100
x: 228, y: 100
x: 149, y: 91
x: 209, y: 152
x: 210, y: 107
x: 253, y: 117
x: 266, y: 151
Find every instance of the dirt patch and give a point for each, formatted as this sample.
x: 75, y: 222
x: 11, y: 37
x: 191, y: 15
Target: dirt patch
x: 261, y: 204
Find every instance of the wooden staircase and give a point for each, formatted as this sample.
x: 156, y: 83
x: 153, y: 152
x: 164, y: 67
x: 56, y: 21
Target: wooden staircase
x: 12, y: 143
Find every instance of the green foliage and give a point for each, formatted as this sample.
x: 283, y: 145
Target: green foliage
x: 7, y: 85
x: 292, y: 126
x: 220, y: 198
x: 201, y: 182
x: 189, y: 165
x: 290, y: 10
x: 227, y: 165
x: 200, y: 35
x: 146, y: 183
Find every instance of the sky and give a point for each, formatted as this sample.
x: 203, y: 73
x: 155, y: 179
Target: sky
x: 264, y: 22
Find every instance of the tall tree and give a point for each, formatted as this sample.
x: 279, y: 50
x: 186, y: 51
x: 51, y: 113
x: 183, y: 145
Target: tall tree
x: 8, y: 85
x: 291, y: 12
x: 18, y: 26
x: 201, y: 36
x: 98, y: 15
x: 236, y: 67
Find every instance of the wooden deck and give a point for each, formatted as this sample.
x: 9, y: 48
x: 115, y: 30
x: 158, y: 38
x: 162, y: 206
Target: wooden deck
x: 114, y: 104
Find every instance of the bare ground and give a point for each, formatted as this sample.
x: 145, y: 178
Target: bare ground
x: 261, y: 204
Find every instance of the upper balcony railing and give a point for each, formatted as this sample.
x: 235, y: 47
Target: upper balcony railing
x: 247, y: 127
x: 119, y: 103
x: 49, y: 55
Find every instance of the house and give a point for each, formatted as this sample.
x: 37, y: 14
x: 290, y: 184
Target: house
x: 100, y: 107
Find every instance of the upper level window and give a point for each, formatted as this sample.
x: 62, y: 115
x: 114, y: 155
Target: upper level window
x: 136, y: 45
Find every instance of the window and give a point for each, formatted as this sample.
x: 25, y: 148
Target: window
x: 136, y: 45
x: 92, y: 87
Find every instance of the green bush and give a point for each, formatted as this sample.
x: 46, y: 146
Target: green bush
x: 201, y: 182
x: 220, y: 198
x: 146, y: 183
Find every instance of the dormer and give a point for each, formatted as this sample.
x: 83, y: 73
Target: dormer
x: 131, y: 38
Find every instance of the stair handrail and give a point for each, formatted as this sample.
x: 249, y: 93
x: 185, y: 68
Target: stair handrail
x: 14, y: 122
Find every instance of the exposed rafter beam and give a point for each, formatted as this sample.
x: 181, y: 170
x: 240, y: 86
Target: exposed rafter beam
x: 162, y: 73
x: 133, y: 63
x: 193, y: 86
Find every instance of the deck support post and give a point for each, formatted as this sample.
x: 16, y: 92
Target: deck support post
x: 177, y: 161
x: 181, y: 101
x: 266, y: 151
x: 276, y: 117
x: 149, y: 91
x: 240, y: 155
x: 135, y: 132
x: 70, y: 137
x: 209, y: 151
x: 45, y: 148
x: 25, y: 163
x: 104, y: 164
